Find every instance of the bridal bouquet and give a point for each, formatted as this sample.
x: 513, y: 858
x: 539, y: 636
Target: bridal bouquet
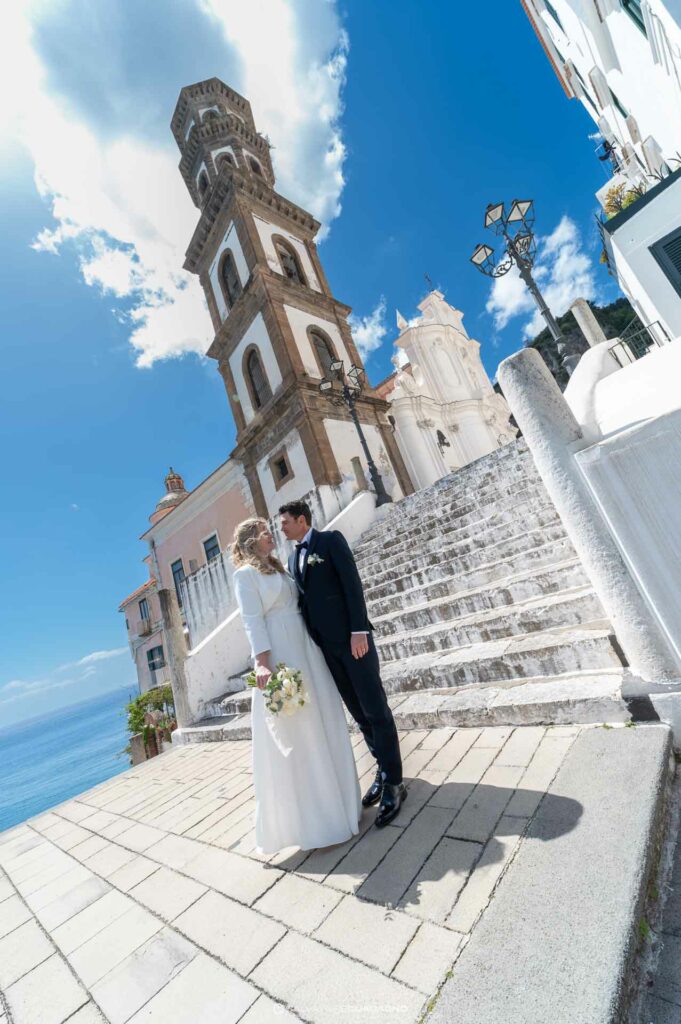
x: 284, y: 692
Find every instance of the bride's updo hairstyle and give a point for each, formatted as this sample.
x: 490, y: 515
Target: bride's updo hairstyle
x: 245, y: 548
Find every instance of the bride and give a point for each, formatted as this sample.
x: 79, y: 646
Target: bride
x: 304, y: 774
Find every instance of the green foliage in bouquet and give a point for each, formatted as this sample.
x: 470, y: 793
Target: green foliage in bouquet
x: 284, y: 691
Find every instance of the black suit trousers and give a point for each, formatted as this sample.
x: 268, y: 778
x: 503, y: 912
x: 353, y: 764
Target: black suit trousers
x: 359, y: 683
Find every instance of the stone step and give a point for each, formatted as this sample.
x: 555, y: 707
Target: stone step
x: 430, y: 568
x: 467, y: 513
x: 390, y: 599
x: 454, y: 540
x: 571, y: 698
x: 454, y: 506
x: 575, y: 698
x: 535, y: 615
x: 548, y: 653
x: 509, y: 464
x: 559, y: 938
x: 522, y: 586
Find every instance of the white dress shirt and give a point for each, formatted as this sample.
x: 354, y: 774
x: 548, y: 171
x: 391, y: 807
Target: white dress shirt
x: 302, y: 559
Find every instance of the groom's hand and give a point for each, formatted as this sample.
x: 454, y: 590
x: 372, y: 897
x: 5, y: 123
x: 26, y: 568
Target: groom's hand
x: 359, y: 644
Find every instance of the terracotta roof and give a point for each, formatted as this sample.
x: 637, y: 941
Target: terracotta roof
x: 140, y: 590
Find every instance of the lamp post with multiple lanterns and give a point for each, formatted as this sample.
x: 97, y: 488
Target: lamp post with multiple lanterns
x: 350, y: 389
x: 515, y: 227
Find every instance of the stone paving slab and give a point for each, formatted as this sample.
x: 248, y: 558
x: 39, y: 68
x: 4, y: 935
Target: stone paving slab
x: 145, y: 900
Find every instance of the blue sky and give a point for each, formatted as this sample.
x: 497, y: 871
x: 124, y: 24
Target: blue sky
x: 395, y: 123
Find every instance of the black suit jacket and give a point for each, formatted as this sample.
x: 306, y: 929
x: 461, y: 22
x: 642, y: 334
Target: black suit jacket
x: 331, y: 597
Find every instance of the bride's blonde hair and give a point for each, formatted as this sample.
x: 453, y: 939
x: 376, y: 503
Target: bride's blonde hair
x: 245, y: 548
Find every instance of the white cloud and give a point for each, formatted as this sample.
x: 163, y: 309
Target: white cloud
x: 102, y: 655
x: 116, y: 194
x: 563, y: 271
x: 86, y: 668
x: 369, y: 331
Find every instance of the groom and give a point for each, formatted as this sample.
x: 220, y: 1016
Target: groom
x: 332, y: 603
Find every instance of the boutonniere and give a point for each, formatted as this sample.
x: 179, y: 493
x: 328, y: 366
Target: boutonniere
x: 314, y: 560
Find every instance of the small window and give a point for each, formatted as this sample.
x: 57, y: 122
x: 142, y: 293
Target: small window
x: 281, y: 468
x: 290, y: 262
x: 177, y: 570
x: 156, y: 662
x: 155, y: 658
x: 210, y: 115
x: 585, y: 92
x: 259, y: 385
x: 203, y: 183
x: 255, y: 166
x: 667, y: 252
x: 127, y: 624
x: 225, y: 159
x: 618, y: 106
x: 231, y: 282
x: 554, y: 14
x: 144, y: 609
x: 211, y: 547
x: 633, y: 9
x: 323, y: 350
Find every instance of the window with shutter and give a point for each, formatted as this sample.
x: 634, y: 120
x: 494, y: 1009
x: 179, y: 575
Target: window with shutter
x: 667, y: 252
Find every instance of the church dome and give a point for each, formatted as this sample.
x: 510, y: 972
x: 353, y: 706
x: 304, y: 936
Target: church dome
x: 175, y: 494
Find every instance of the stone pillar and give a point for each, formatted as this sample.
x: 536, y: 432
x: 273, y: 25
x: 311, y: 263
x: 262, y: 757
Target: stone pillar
x: 587, y: 322
x: 360, y: 479
x: 552, y: 434
x: 176, y: 653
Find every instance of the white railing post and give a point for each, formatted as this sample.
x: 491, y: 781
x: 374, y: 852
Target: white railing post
x: 552, y: 435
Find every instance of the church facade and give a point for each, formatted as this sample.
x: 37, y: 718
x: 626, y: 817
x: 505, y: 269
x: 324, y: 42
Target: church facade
x: 277, y: 325
x: 443, y: 408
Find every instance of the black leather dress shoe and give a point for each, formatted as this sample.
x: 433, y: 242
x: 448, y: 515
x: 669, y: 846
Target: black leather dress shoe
x: 373, y: 793
x: 391, y: 801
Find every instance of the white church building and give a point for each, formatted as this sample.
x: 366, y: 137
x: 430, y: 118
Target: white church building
x: 443, y: 407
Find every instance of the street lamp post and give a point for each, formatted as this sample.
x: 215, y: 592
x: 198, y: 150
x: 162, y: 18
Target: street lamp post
x: 350, y: 389
x: 515, y: 227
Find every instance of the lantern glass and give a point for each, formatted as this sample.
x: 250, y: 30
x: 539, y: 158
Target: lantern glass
x: 493, y: 213
x: 520, y: 209
x: 481, y: 254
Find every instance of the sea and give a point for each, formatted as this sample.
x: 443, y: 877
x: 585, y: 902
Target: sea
x: 46, y: 760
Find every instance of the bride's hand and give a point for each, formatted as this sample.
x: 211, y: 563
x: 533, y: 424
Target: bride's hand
x: 262, y: 676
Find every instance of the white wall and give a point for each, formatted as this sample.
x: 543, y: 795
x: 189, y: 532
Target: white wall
x: 300, y: 321
x: 345, y: 444
x: 231, y: 241
x: 640, y: 272
x: 635, y: 479
x: 301, y: 482
x: 642, y: 70
x: 255, y: 335
x: 266, y: 231
x: 611, y: 401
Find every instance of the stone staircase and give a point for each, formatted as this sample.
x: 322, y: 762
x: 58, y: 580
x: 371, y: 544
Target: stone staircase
x: 479, y: 602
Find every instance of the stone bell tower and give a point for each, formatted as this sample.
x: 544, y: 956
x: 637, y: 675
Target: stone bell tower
x: 277, y: 325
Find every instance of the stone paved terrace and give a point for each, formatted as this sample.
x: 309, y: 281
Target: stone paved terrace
x: 144, y: 899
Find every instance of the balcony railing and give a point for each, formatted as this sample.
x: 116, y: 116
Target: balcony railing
x: 636, y: 341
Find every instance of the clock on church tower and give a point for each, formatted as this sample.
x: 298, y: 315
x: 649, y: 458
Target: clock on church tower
x: 277, y: 325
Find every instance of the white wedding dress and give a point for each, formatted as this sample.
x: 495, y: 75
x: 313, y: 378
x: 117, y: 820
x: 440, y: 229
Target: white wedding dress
x: 304, y: 774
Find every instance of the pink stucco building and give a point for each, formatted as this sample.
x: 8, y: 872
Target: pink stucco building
x: 188, y: 529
